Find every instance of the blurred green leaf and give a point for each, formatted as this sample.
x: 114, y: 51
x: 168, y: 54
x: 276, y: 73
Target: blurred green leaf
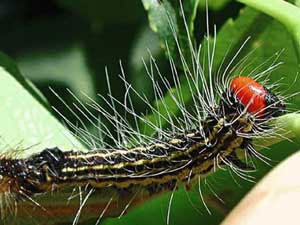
x: 64, y: 66
x: 26, y: 123
x: 283, y: 11
x: 166, y: 19
x: 214, y: 5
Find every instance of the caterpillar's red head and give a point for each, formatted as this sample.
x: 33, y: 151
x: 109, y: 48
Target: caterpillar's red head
x: 258, y: 99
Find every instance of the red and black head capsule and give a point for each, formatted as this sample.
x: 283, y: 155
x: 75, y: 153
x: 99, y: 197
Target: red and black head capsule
x: 258, y: 99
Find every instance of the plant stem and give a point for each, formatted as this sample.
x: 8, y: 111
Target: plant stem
x: 289, y: 128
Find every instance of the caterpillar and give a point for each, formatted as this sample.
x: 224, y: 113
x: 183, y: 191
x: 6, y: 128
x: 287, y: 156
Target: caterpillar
x: 230, y: 112
x: 157, y: 167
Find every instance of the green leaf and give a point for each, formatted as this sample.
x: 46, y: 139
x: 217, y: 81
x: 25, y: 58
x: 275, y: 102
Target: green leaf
x: 215, y: 5
x: 59, y: 66
x: 26, y: 122
x: 165, y: 18
x: 283, y: 11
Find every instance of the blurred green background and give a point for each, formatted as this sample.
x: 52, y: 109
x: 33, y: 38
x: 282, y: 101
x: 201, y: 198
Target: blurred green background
x: 66, y: 44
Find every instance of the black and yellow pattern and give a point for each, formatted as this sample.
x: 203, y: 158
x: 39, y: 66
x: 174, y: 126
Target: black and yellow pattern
x: 160, y: 165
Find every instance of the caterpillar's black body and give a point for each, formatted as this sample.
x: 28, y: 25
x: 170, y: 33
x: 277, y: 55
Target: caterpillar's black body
x: 135, y: 174
x: 165, y: 162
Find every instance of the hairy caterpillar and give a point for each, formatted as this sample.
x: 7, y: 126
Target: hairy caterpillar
x: 50, y: 172
x: 154, y: 168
